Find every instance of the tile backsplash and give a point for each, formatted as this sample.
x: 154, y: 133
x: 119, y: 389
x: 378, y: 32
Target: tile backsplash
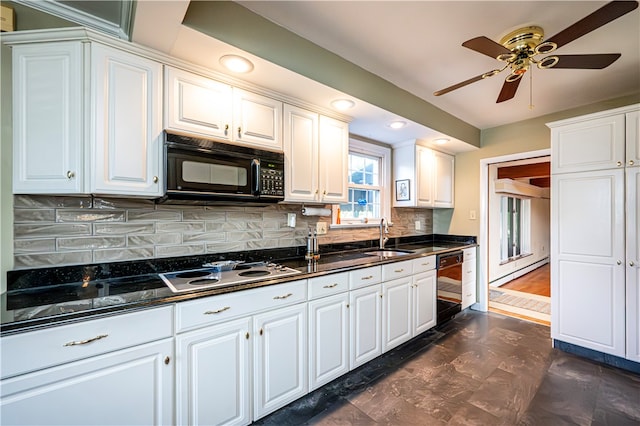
x: 56, y: 231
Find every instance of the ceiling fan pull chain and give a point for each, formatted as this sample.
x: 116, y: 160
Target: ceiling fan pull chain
x: 531, y: 88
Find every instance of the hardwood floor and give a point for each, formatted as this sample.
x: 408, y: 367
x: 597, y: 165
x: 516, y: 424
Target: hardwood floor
x: 537, y: 282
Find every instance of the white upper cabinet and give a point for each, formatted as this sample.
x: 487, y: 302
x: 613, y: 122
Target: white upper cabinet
x: 197, y: 104
x: 588, y: 144
x: 430, y: 174
x: 316, y: 153
x: 257, y: 120
x: 126, y: 148
x: 633, y: 138
x: 47, y: 118
x: 59, y: 147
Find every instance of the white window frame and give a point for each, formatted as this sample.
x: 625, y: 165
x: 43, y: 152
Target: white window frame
x: 384, y: 153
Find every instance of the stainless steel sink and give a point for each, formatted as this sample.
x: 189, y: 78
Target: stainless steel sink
x: 388, y: 252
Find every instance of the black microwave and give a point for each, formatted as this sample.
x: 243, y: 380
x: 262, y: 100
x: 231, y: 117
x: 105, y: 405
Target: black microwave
x: 198, y: 168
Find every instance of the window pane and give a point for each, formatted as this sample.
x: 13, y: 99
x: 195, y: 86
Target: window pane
x: 364, y: 171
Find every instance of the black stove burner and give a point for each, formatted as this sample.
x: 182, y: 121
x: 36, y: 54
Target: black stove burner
x: 254, y: 273
x: 202, y: 281
x: 243, y: 266
x: 192, y: 274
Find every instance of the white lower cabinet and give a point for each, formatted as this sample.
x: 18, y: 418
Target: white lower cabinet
x: 469, y: 278
x: 424, y: 302
x: 396, y: 312
x: 213, y: 384
x: 328, y: 339
x: 115, y: 370
x: 365, y: 315
x: 280, y: 358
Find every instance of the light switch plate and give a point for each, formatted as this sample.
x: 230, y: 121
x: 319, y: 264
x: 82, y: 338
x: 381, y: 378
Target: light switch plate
x: 291, y: 220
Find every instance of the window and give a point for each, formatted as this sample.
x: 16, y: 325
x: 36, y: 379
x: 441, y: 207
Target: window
x: 368, y: 186
x: 515, y: 225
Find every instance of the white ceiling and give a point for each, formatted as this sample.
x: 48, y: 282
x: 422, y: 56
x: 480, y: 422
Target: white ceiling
x: 416, y: 45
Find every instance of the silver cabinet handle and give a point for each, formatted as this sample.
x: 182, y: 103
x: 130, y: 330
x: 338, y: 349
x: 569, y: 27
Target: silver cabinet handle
x: 226, y: 129
x: 239, y: 132
x: 84, y: 342
x: 398, y: 270
x: 226, y: 308
x: 368, y: 277
x: 70, y: 174
x: 283, y: 297
x: 331, y: 285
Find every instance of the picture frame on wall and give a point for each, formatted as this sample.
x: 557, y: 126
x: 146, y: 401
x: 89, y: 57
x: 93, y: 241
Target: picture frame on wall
x: 402, y: 190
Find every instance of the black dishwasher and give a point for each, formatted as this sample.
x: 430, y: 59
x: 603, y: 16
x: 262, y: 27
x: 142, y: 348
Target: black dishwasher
x: 449, y: 285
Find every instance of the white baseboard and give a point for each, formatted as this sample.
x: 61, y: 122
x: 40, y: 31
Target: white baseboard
x: 517, y: 274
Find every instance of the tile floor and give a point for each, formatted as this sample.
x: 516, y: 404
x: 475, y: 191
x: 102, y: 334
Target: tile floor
x: 478, y: 369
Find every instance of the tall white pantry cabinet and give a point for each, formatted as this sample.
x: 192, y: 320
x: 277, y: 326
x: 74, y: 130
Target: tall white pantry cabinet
x: 595, y: 260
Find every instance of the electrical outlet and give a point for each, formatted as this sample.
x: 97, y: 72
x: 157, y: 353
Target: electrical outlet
x: 291, y: 220
x: 418, y: 225
x: 321, y: 228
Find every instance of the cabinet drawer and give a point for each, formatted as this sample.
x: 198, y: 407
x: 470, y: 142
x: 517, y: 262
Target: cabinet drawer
x: 216, y: 309
x: 391, y: 271
x: 469, y: 272
x: 40, y: 349
x: 364, y: 277
x: 327, y: 285
x: 469, y: 254
x: 468, y: 295
x: 424, y: 264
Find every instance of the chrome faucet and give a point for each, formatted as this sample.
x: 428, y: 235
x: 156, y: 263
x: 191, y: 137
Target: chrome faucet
x: 384, y: 230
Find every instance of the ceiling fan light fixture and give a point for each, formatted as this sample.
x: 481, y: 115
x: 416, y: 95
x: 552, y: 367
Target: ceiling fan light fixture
x: 548, y: 62
x: 506, y: 57
x: 236, y: 63
x: 545, y: 47
x: 343, y: 104
x: 514, y: 77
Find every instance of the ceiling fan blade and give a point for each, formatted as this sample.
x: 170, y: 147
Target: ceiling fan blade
x: 593, y: 62
x: 486, y: 46
x: 600, y: 17
x: 508, y: 91
x: 459, y: 85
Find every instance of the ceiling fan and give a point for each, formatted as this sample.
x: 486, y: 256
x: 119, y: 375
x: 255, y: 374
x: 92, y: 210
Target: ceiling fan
x: 519, y: 48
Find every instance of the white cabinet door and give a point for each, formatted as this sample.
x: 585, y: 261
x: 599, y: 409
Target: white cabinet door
x: 588, y: 251
x: 213, y: 375
x: 424, y: 177
x: 333, y: 157
x: 424, y: 301
x: 397, y: 321
x: 469, y: 278
x: 633, y: 263
x: 300, y: 154
x: 257, y: 120
x: 365, y: 322
x: 132, y: 386
x: 328, y: 339
x: 197, y: 104
x: 48, y: 109
x: 126, y: 149
x: 593, y: 144
x: 280, y: 358
x: 443, y: 171
x: 633, y: 138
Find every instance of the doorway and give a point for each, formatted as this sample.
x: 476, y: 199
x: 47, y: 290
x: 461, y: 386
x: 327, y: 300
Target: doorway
x: 515, y: 236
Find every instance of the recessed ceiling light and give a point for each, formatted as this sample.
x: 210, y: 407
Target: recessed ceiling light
x: 343, y: 104
x: 236, y: 63
x: 441, y: 141
x: 397, y: 124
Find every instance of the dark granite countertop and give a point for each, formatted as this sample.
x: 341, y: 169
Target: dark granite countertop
x: 44, y: 297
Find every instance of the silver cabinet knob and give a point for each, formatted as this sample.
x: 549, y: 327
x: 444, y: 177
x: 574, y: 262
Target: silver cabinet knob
x: 619, y: 262
x: 70, y: 174
x: 631, y: 163
x: 631, y: 263
x: 619, y: 163
x: 155, y: 179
